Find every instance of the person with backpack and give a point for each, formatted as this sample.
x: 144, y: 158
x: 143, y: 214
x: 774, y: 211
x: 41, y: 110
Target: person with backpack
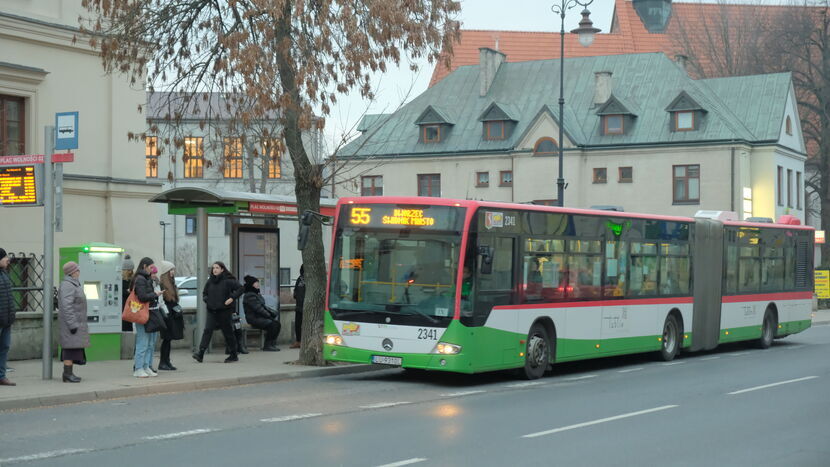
x: 299, y: 296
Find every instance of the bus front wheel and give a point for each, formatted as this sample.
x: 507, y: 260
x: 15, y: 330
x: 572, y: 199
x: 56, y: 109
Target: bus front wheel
x: 537, y: 353
x: 671, y: 339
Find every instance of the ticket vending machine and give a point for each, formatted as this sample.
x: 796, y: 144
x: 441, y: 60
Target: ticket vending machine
x: 100, y: 278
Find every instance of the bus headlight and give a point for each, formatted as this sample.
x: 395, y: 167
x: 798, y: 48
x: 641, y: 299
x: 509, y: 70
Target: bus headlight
x: 447, y: 349
x: 333, y: 339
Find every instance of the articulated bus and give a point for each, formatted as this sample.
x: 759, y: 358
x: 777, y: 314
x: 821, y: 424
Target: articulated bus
x: 473, y: 286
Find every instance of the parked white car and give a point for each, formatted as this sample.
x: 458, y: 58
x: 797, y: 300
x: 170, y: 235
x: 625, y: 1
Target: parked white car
x: 188, y: 292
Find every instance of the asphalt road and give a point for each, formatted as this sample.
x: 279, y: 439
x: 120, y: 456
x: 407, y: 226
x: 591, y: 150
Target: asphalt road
x: 736, y: 406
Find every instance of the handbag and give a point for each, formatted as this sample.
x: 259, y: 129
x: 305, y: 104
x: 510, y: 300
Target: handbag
x: 156, y: 322
x: 135, y: 311
x: 175, y: 324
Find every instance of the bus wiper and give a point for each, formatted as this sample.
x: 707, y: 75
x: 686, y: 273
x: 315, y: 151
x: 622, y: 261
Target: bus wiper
x: 397, y: 308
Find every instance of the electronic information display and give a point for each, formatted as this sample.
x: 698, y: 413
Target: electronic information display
x: 403, y: 216
x: 18, y: 186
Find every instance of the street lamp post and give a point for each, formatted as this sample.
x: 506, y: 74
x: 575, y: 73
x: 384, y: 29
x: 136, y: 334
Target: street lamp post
x: 586, y: 31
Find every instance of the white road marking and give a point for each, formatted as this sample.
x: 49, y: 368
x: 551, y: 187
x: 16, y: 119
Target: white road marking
x: 737, y: 354
x: 579, y: 378
x: 288, y: 418
x: 462, y: 393
x: 772, y: 385
x: 709, y: 358
x: 524, y: 385
x: 672, y: 363
x: 602, y: 420
x: 382, y: 405
x: 179, y: 434
x: 414, y: 460
x: 792, y: 347
x: 630, y: 370
x: 43, y: 455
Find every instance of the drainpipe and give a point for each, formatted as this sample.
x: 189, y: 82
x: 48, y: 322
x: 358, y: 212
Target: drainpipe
x: 513, y: 179
x: 732, y: 179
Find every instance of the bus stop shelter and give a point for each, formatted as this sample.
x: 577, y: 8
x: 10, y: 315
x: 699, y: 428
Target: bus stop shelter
x: 203, y: 202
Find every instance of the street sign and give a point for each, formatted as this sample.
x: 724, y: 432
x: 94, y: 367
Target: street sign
x: 25, y: 159
x: 822, y: 283
x: 66, y: 130
x: 819, y: 237
x: 18, y: 186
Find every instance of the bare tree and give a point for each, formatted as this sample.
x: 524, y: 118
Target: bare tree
x: 289, y: 57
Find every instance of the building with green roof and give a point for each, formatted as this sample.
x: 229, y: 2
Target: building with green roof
x: 638, y: 132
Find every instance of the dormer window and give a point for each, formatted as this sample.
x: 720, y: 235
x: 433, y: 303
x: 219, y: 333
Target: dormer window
x: 434, y: 125
x: 686, y: 113
x: 497, y: 122
x: 615, y: 116
x: 684, y: 121
x: 494, y: 130
x: 612, y: 124
x: 431, y: 133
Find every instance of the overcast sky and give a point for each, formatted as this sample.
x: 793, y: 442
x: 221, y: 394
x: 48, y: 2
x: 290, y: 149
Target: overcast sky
x: 392, y: 87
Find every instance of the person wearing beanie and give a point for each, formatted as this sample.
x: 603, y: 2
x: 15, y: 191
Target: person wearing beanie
x: 174, y: 319
x: 127, y: 267
x: 72, y: 322
x: 259, y: 315
x: 7, y: 316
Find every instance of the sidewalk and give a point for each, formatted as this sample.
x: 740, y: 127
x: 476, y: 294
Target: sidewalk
x: 114, y: 378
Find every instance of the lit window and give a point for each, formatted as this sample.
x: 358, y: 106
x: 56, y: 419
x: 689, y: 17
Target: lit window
x: 482, y: 179
x: 600, y: 175
x: 506, y: 178
x: 151, y: 157
x: 371, y: 185
x: 686, y: 183
x: 613, y: 124
x: 684, y: 121
x: 194, y: 157
x: 272, y: 149
x: 233, y: 158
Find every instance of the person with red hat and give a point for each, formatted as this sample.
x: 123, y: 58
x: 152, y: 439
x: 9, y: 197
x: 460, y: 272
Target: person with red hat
x: 7, y: 315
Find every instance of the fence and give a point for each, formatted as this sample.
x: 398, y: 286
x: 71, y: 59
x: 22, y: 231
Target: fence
x: 26, y: 273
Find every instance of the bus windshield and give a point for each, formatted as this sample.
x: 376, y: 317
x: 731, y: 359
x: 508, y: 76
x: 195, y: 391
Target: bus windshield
x: 406, y: 275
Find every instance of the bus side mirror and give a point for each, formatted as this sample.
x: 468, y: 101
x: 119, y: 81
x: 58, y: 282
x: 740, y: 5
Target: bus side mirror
x: 486, y: 254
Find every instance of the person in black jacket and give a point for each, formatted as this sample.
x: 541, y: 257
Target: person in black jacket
x: 260, y: 316
x: 220, y: 293
x: 299, y: 296
x: 7, y: 315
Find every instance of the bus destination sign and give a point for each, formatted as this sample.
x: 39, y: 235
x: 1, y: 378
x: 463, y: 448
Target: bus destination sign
x: 402, y: 216
x: 18, y: 186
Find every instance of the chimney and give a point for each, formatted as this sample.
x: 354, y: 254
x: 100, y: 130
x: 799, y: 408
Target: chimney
x: 489, y: 62
x: 682, y: 61
x: 602, y: 87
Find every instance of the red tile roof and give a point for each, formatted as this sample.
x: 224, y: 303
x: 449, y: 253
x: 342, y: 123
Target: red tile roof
x: 628, y: 35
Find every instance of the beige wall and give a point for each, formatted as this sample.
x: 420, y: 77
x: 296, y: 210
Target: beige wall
x: 105, y: 191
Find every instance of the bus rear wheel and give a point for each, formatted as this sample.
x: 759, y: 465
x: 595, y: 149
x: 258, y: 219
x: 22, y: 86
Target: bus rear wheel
x: 767, y: 330
x: 537, y: 353
x: 671, y: 339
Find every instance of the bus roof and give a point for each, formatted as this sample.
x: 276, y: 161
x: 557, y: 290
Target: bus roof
x: 468, y: 203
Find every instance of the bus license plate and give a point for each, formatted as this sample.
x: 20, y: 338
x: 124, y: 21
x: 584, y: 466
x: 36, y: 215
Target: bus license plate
x: 382, y: 359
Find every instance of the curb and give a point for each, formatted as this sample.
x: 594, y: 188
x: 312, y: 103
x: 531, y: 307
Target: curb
x: 166, y: 388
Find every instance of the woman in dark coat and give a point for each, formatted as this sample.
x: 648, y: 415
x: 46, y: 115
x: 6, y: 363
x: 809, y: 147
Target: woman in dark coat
x: 74, y: 331
x: 220, y: 294
x: 174, y: 320
x: 260, y: 316
x: 299, y: 296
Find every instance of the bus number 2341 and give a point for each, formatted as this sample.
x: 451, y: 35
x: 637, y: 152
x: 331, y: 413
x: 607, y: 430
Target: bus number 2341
x: 428, y: 334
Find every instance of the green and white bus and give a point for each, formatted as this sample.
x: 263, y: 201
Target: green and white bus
x: 473, y: 286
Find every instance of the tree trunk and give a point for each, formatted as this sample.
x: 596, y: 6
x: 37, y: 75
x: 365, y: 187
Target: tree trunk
x: 307, y: 189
